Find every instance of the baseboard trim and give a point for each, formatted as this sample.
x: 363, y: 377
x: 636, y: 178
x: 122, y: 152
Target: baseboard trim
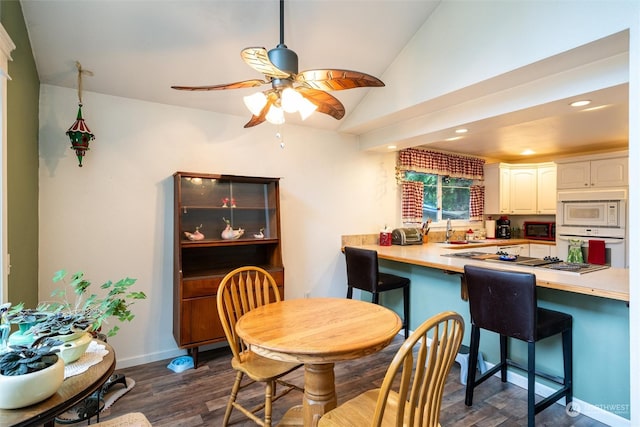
x: 584, y: 408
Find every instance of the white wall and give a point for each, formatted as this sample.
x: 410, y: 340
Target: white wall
x: 113, y: 217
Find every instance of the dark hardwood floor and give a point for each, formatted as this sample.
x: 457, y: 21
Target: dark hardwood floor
x: 197, y: 397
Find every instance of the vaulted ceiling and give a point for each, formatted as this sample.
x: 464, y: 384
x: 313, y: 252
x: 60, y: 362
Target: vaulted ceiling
x: 138, y: 49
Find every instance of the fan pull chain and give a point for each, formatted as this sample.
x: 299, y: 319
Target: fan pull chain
x: 280, y: 136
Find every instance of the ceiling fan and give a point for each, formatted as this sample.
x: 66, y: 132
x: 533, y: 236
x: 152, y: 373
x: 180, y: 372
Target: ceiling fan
x: 291, y: 91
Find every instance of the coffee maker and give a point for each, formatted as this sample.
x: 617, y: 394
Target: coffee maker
x: 503, y: 228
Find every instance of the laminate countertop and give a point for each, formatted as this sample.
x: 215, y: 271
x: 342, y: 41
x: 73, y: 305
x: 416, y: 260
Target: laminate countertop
x: 612, y: 283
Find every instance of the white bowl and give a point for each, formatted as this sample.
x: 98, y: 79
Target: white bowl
x: 24, y: 390
x: 72, y: 350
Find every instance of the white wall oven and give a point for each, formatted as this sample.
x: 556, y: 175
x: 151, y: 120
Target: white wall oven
x: 594, y: 217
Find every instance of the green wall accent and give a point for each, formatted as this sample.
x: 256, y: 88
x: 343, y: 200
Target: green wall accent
x: 600, y: 333
x: 22, y: 159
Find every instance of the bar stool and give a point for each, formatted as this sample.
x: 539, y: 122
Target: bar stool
x: 505, y: 302
x: 363, y: 274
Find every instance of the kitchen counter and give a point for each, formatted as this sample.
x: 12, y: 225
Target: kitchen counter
x: 612, y: 283
x: 597, y: 301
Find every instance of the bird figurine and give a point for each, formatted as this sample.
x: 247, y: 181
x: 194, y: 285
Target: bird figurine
x: 260, y: 234
x: 229, y: 233
x: 196, y: 235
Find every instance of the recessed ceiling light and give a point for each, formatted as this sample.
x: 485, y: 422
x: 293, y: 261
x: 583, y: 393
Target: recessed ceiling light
x: 462, y: 130
x: 392, y: 147
x: 581, y: 103
x: 528, y: 152
x: 454, y: 138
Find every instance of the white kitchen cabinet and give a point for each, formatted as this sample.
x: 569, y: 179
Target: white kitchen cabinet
x: 539, y: 251
x: 600, y: 173
x: 522, y: 250
x: 546, y: 189
x: 525, y: 189
x: 497, y: 195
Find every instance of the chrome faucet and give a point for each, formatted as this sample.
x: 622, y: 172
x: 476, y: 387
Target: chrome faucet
x: 448, y: 231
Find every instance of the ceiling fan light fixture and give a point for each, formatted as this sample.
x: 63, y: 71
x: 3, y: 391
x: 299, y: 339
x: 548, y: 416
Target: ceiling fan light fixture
x: 280, y: 69
x: 306, y: 108
x: 290, y: 100
x: 275, y: 116
x: 255, y: 103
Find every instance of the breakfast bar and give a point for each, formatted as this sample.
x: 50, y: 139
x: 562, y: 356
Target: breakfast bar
x: 597, y: 300
x: 610, y: 283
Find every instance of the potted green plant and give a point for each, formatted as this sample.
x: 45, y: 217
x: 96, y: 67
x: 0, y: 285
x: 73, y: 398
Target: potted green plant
x: 87, y: 311
x: 71, y: 320
x: 25, y: 319
x: 29, y: 374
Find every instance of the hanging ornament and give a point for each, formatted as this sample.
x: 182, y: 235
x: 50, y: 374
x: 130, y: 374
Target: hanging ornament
x: 79, y: 132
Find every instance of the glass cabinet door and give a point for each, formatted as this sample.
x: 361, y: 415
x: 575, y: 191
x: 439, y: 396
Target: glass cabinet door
x: 246, y: 210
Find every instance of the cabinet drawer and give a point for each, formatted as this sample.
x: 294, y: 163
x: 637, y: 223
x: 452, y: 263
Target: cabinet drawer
x: 202, y: 287
x: 193, y: 288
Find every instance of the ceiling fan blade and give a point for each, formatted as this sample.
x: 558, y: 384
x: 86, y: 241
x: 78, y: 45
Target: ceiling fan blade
x: 327, y: 104
x: 258, y: 59
x: 256, y: 120
x: 236, y: 85
x: 337, y: 79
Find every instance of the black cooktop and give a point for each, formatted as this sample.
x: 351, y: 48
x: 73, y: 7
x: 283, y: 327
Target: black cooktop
x: 551, y: 263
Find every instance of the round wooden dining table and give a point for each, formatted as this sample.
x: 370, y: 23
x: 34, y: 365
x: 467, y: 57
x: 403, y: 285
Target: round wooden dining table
x: 317, y: 332
x: 72, y: 391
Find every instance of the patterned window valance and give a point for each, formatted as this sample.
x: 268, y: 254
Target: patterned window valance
x: 417, y: 160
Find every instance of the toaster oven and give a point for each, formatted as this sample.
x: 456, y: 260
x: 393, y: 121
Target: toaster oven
x: 406, y: 236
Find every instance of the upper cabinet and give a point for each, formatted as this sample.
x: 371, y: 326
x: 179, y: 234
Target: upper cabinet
x: 522, y: 189
x: 546, y: 189
x: 613, y: 172
x: 497, y: 181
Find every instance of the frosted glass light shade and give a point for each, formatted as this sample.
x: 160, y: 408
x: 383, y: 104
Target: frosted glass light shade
x: 306, y: 107
x: 255, y: 103
x: 291, y: 100
x: 275, y: 115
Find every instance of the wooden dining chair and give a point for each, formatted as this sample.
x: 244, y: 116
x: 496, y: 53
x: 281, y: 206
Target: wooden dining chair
x: 411, y: 392
x: 240, y: 291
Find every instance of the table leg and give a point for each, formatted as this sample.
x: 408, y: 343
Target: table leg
x: 319, y: 396
x: 319, y: 392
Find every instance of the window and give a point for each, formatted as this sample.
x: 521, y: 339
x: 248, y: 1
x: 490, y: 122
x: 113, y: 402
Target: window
x: 444, y: 197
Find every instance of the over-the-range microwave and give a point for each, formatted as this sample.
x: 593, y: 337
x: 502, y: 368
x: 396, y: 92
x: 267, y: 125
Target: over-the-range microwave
x: 592, y: 208
x: 592, y: 214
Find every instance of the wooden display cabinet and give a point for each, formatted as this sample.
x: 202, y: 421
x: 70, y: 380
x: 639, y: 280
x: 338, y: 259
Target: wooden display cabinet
x: 205, y: 202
